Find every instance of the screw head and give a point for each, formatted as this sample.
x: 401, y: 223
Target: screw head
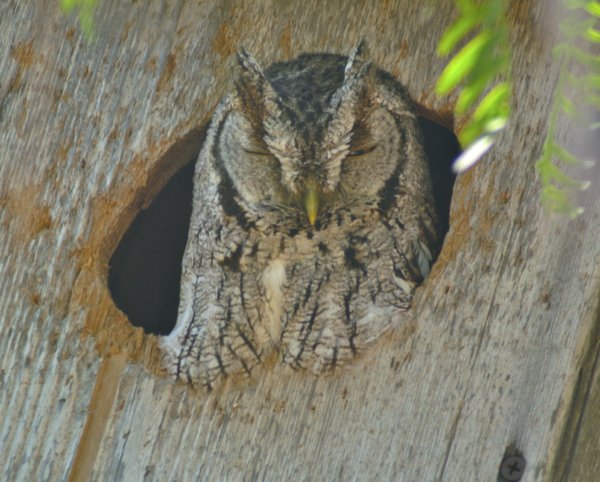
x: 512, y: 468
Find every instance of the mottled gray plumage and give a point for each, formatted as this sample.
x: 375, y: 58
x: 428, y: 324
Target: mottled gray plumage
x: 313, y: 220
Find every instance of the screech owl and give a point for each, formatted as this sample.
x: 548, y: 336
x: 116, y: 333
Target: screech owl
x: 313, y: 220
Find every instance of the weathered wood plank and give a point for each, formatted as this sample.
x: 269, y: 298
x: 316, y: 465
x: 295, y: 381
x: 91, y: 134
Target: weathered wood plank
x: 491, y: 360
x: 578, y: 457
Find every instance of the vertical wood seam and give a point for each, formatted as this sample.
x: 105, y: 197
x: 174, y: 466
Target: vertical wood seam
x: 99, y: 410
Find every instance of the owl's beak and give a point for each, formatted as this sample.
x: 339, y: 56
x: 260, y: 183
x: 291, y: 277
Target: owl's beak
x: 311, y: 203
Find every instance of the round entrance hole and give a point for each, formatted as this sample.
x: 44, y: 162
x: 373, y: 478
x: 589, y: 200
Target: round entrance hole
x: 145, y: 269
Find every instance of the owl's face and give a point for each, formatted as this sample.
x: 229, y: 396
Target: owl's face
x: 308, y: 138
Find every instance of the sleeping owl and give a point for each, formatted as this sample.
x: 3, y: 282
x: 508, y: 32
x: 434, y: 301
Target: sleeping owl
x: 313, y: 220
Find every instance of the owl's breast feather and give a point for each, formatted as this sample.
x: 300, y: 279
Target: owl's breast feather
x: 274, y: 279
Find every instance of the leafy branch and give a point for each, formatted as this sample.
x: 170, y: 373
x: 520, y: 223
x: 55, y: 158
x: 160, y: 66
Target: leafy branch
x: 480, y: 61
x: 556, y: 184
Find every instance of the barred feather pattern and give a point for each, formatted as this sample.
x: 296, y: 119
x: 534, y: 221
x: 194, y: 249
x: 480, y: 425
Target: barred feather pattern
x: 259, y: 277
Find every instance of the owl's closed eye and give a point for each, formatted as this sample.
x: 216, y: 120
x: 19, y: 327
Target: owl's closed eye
x: 313, y: 220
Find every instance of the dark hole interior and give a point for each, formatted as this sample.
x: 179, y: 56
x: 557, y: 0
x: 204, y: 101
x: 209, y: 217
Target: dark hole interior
x: 145, y: 268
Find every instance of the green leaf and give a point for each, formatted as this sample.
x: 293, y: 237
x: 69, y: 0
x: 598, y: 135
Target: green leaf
x: 67, y: 6
x: 592, y: 35
x: 492, y: 59
x: 86, y: 19
x: 490, y: 64
x: 593, y: 80
x: 563, y: 154
x: 469, y: 94
x: 488, y: 121
x: 460, y: 66
x: 573, y: 28
x: 455, y: 33
x: 466, y: 6
x: 586, y: 59
x: 496, y: 123
x: 86, y: 13
x: 556, y: 175
x: 471, y: 131
x: 556, y: 200
x: 568, y: 107
x: 475, y: 66
x: 496, y: 102
x: 492, y: 12
x: 593, y: 8
x: 559, y: 51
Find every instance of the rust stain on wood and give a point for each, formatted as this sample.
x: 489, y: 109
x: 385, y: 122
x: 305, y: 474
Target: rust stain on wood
x: 98, y: 414
x: 404, y: 49
x: 30, y: 216
x: 70, y: 34
x: 110, y: 327
x: 285, y: 41
x: 167, y: 72
x: 23, y: 54
x: 128, y: 25
x: 150, y: 65
x: 226, y: 40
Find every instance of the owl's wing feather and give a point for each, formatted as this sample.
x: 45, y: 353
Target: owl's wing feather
x: 214, y: 335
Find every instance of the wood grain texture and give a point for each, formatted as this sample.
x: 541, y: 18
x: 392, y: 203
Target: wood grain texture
x: 502, y: 326
x: 578, y: 457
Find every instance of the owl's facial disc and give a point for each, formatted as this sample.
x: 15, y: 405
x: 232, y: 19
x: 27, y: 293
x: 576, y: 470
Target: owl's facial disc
x: 305, y: 151
x: 375, y: 155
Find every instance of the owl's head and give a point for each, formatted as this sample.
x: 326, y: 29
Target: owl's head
x: 314, y: 135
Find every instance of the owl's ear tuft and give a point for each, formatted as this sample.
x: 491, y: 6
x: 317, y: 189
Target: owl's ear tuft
x: 258, y: 99
x: 356, y: 57
x: 251, y: 72
x: 355, y: 71
x: 250, y: 84
x: 349, y: 93
x: 345, y: 106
